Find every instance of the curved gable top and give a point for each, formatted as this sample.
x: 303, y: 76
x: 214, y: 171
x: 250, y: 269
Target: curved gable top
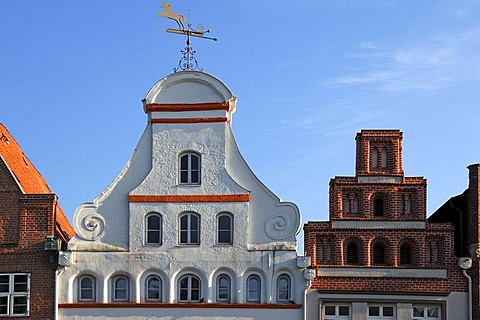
x: 189, y: 87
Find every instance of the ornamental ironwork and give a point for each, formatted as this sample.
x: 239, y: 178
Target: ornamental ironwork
x: 188, y: 61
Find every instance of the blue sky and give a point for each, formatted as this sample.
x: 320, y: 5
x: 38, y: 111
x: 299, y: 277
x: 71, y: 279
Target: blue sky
x: 308, y: 75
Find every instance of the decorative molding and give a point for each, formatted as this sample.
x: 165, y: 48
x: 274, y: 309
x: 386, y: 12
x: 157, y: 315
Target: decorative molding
x: 181, y: 107
x: 382, y: 273
x: 189, y: 120
x: 190, y: 198
x: 381, y: 224
x: 200, y: 305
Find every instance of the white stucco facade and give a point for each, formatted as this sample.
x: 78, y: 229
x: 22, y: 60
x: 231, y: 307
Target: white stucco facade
x: 189, y: 114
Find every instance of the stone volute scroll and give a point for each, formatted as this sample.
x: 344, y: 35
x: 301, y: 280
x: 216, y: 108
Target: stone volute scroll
x: 283, y: 224
x: 89, y: 224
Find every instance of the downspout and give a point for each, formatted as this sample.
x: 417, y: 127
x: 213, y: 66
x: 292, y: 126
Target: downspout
x: 469, y: 293
x: 309, y: 284
x: 466, y: 263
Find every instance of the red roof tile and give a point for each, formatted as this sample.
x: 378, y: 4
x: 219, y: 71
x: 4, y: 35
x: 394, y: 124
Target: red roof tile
x: 28, y: 177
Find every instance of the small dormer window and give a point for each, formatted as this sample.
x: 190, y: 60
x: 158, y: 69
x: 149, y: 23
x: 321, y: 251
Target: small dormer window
x: 190, y: 168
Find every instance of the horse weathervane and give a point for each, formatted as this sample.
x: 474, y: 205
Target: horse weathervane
x: 188, y: 61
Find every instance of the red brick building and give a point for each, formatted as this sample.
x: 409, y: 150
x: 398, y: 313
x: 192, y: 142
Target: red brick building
x: 463, y: 212
x: 377, y: 257
x: 31, y: 221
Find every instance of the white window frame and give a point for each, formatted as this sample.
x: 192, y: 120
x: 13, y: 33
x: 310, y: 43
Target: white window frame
x: 188, y: 230
x: 189, y: 288
x: 81, y: 289
x: 225, y: 289
x: 148, y: 228
x: 229, y: 230
x: 9, y: 294
x: 381, y: 315
x: 282, y: 290
x: 158, y: 290
x: 257, y: 292
x: 188, y: 169
x: 337, y: 315
x: 116, y: 290
x: 425, y: 315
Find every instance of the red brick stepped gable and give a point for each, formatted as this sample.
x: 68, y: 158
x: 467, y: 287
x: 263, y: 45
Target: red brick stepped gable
x: 29, y: 212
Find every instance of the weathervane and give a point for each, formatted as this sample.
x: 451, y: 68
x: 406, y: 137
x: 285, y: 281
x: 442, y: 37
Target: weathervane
x: 188, y: 61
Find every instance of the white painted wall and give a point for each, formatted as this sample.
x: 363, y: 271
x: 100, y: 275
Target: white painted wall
x: 110, y: 231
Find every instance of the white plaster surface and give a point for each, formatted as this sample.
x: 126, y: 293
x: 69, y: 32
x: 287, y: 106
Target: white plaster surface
x: 111, y: 231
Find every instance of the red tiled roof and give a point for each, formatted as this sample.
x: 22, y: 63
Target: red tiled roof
x: 29, y: 179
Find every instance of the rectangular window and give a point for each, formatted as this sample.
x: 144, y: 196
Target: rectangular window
x: 381, y: 312
x: 336, y: 312
x: 14, y: 294
x: 426, y: 313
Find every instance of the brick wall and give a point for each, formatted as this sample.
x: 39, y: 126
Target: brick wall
x: 25, y: 221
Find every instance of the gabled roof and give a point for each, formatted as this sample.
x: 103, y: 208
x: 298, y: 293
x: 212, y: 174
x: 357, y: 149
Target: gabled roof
x: 29, y: 179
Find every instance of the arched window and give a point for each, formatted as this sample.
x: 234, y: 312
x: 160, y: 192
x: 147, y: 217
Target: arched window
x: 283, y: 288
x: 87, y: 289
x: 189, y: 228
x: 153, y: 229
x: 379, y: 253
x: 225, y: 228
x: 223, y: 288
x: 153, y: 289
x: 378, y: 207
x: 384, y: 158
x: 190, y: 168
x: 120, y: 289
x: 189, y: 288
x: 405, y: 254
x: 347, y: 203
x: 375, y: 157
x: 355, y: 203
x: 253, y: 289
x: 408, y: 206
x: 352, y: 253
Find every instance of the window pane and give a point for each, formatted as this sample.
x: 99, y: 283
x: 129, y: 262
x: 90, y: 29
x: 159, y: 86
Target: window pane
x: 3, y: 305
x: 184, y: 162
x: 184, y: 177
x: 194, y: 237
x: 154, y: 222
x: 194, y: 162
x: 224, y: 222
x: 183, y: 294
x: 86, y: 294
x: 223, y: 237
x: 20, y: 305
x: 194, y: 177
x: 4, y: 280
x: 343, y: 310
x: 153, y: 237
x: 193, y: 222
x: 374, y: 311
x: 329, y: 310
x: 418, y: 312
x: 20, y: 283
x: 388, y: 311
x: 183, y: 237
x: 432, y: 312
x: 184, y: 222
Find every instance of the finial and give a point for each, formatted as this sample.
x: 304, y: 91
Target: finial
x: 188, y: 61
